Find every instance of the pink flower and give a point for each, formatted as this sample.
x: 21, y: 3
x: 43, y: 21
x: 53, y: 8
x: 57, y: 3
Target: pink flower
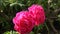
x: 38, y: 14
x: 23, y: 22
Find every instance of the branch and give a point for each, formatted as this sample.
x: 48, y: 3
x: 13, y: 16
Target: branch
x: 47, y: 28
x: 51, y: 24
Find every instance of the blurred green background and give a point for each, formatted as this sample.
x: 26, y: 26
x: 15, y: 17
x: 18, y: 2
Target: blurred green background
x: 8, y: 9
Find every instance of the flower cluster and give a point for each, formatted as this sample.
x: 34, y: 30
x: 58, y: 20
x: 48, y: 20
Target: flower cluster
x: 26, y: 20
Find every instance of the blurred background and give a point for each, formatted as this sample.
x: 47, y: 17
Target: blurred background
x: 8, y: 9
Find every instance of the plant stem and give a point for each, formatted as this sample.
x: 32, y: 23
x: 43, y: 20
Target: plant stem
x: 36, y: 30
x: 51, y: 24
x: 47, y: 28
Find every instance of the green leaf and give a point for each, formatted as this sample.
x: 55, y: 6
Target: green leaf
x: 16, y: 4
x: 10, y: 32
x: 40, y: 27
x: 12, y: 1
x: 58, y: 15
x: 31, y: 32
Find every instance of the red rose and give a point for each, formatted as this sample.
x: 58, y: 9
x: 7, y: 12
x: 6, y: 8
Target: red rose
x: 23, y: 22
x: 38, y: 14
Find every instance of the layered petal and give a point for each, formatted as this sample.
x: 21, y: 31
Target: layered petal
x: 38, y: 13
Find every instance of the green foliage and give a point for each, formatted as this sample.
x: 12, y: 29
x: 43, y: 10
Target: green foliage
x: 40, y: 27
x: 10, y: 32
x: 31, y: 32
